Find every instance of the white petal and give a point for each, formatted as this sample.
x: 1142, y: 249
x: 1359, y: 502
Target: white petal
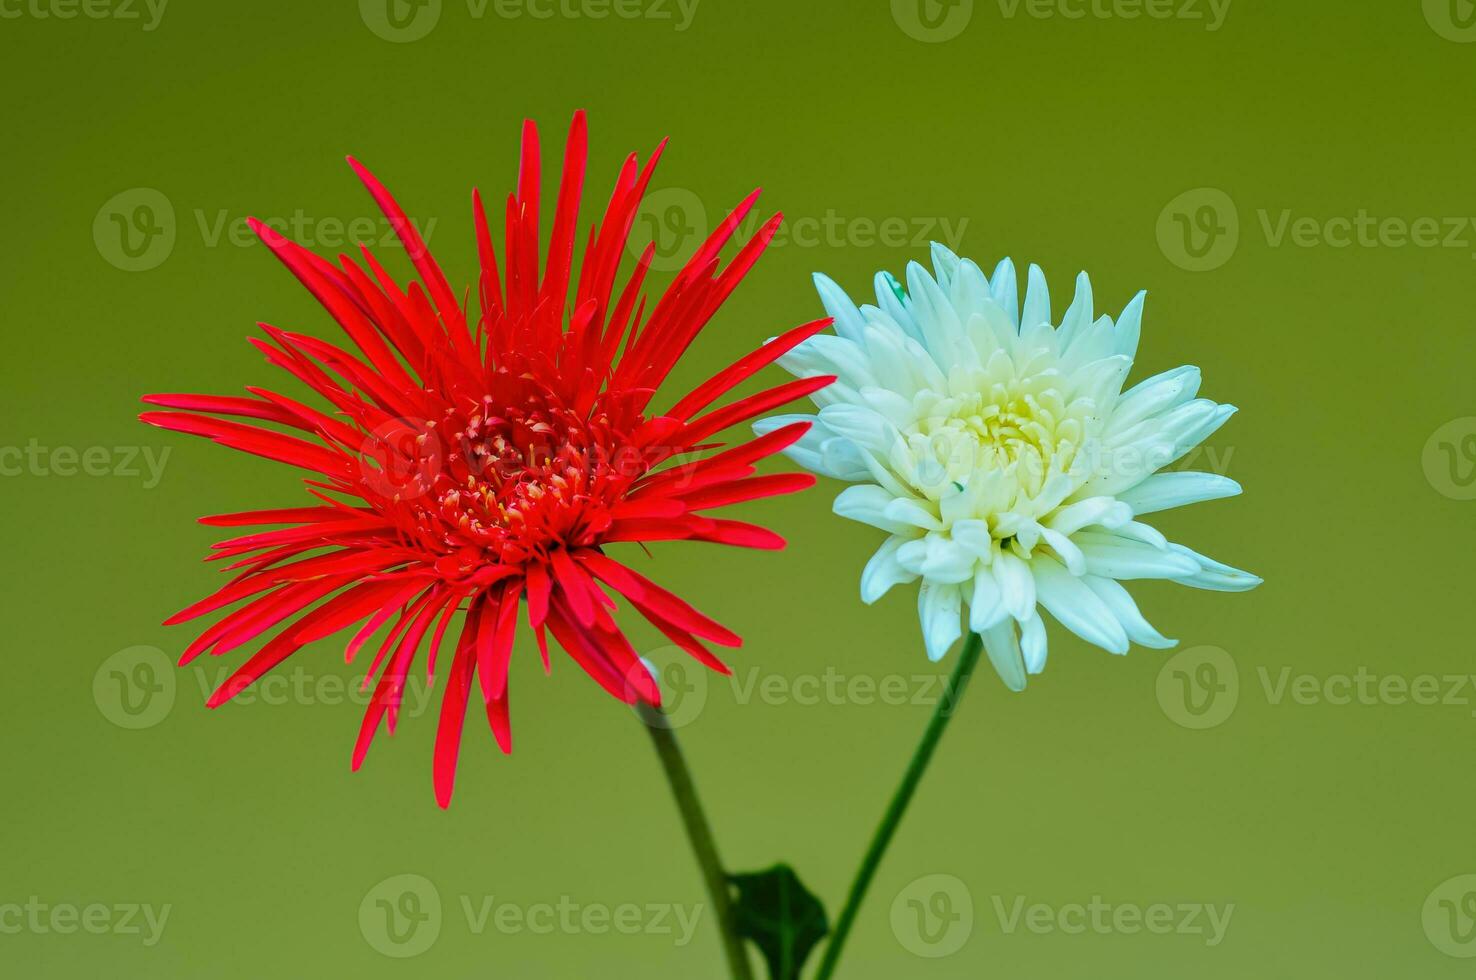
x: 1079, y: 314
x: 1213, y: 575
x: 974, y: 535
x: 1003, y: 647
x: 945, y: 264
x: 1155, y: 395
x: 867, y: 503
x: 1091, y: 343
x: 1164, y: 491
x: 894, y: 302
x: 1129, y: 326
x: 1037, y: 299
x: 1094, y: 510
x: 936, y: 318
x: 1033, y: 643
x: 1066, y: 550
x: 829, y: 354
x: 1122, y: 558
x: 986, y: 606
x: 1139, y: 531
x: 848, y: 320
x: 1004, y: 289
x: 1016, y: 584
x: 1126, y: 610
x: 909, y: 511
x: 968, y: 291
x: 882, y: 572
x: 842, y: 460
x: 1077, y: 607
x: 818, y: 450
x: 940, y: 608
x: 947, y: 561
x: 865, y: 427
x: 1139, y: 452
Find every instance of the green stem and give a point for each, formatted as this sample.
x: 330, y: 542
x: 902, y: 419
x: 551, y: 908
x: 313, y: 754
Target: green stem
x: 967, y: 660
x: 699, y: 832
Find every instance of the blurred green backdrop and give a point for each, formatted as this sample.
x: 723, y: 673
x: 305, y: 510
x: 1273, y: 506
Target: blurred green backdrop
x: 1291, y: 182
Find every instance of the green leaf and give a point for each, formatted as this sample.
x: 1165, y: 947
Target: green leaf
x: 780, y: 917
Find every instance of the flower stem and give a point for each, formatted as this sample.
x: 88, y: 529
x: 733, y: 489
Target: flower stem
x: 699, y: 832
x: 967, y: 660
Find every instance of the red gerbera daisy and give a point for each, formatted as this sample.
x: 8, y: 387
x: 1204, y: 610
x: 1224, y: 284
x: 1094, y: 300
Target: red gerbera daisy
x: 472, y: 464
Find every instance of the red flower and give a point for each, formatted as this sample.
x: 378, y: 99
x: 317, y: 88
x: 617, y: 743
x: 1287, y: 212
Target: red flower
x: 490, y: 462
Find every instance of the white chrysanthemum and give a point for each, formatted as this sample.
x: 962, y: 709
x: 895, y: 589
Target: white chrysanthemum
x: 1003, y: 458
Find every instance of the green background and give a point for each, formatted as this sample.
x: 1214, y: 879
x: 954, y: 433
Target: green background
x: 1056, y: 140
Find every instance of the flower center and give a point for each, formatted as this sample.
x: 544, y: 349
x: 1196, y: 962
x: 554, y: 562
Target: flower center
x: 509, y: 487
x: 1024, y: 428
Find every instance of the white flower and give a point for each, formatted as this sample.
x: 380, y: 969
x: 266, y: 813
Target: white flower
x: 1003, y: 459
